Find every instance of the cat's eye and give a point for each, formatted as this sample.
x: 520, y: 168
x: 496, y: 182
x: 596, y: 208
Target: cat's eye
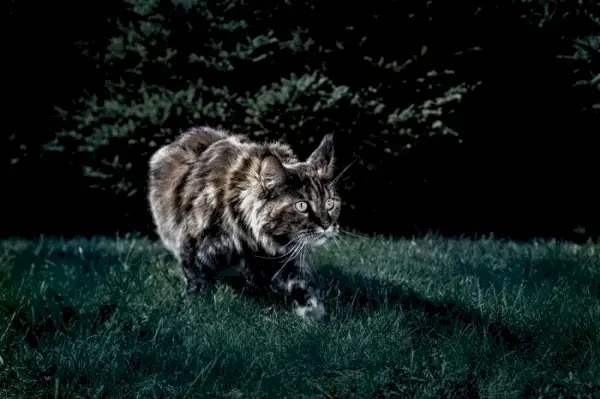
x: 301, y: 206
x: 329, y: 204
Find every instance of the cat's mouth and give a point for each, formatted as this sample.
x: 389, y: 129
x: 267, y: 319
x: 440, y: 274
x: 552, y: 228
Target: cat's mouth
x: 323, y: 236
x: 322, y: 239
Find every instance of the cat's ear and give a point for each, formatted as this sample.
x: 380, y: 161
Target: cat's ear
x: 272, y: 172
x: 323, y: 158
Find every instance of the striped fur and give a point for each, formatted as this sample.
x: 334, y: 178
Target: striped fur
x: 219, y: 200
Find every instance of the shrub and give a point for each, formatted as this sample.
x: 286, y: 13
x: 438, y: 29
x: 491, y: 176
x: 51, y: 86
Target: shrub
x: 394, y: 81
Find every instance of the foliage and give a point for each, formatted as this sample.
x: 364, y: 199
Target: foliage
x: 396, y: 82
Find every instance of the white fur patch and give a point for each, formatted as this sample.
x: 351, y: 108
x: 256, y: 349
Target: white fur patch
x: 313, y: 311
x: 290, y: 284
x: 320, y: 241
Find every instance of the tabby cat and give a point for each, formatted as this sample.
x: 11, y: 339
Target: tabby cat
x: 219, y: 200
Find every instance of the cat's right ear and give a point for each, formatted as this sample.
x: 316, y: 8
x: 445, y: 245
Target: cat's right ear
x: 272, y: 172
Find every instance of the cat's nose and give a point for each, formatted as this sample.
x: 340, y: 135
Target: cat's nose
x: 332, y: 225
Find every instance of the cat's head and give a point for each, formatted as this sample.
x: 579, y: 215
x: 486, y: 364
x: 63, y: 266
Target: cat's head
x: 303, y: 205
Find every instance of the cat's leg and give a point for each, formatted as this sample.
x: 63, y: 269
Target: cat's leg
x: 296, y: 280
x: 198, y: 269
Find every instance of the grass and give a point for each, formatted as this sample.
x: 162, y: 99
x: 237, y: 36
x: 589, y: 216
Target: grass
x: 430, y: 317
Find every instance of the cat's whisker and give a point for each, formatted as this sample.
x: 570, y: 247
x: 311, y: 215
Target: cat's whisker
x: 294, y: 252
x: 298, y: 250
x: 300, y: 245
x: 303, y: 257
x: 290, y: 251
x: 290, y: 244
x: 302, y: 241
x: 306, y: 248
x: 353, y: 234
x: 335, y: 240
x: 341, y: 173
x: 343, y: 241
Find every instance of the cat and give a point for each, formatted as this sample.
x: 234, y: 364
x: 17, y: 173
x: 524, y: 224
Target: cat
x: 218, y: 200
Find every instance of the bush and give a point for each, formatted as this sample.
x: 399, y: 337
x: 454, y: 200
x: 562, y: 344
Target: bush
x: 395, y: 82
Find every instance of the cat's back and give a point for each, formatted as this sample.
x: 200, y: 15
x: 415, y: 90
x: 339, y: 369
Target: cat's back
x: 171, y: 159
x: 175, y: 171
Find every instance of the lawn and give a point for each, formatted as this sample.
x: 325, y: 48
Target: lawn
x: 430, y: 317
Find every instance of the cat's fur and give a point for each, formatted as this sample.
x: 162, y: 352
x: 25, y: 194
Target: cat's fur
x: 220, y: 200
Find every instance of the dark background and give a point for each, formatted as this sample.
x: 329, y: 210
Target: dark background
x: 465, y: 117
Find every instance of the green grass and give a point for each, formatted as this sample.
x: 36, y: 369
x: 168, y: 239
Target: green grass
x: 431, y: 317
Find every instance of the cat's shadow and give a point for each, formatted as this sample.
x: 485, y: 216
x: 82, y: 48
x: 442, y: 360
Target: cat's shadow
x: 351, y: 296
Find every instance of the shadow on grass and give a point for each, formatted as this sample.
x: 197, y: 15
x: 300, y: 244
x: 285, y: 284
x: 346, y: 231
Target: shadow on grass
x: 353, y: 296
x: 356, y: 295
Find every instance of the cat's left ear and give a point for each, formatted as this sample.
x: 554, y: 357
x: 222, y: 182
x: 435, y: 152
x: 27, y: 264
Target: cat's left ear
x: 272, y: 172
x: 323, y: 158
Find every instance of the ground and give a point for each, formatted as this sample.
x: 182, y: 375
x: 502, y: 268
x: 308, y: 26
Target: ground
x: 429, y: 317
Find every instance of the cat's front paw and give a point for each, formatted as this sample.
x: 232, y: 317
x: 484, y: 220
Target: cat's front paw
x: 313, y: 311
